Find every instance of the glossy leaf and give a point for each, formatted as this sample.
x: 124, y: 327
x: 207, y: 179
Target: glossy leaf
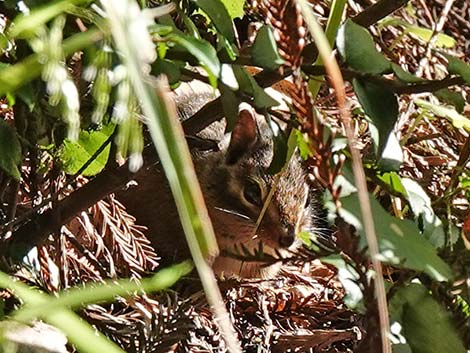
x: 10, y: 150
x: 400, y: 241
x: 426, y: 325
x: 219, y: 16
x: 264, y: 50
x: 247, y: 83
x: 75, y: 154
x: 381, y: 107
x: 203, y: 51
x: 358, y: 50
x: 234, y: 8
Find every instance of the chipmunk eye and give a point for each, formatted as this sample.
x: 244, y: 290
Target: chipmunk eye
x: 252, y: 192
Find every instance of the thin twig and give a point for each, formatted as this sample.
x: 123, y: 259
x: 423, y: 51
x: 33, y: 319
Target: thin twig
x: 395, y: 86
x: 359, y: 176
x: 377, y: 11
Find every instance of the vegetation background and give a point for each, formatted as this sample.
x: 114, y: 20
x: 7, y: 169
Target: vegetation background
x: 381, y: 121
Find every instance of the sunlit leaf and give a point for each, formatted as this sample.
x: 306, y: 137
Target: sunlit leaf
x: 203, y: 51
x: 264, y: 50
x: 393, y: 180
x: 458, y: 120
x: 75, y: 154
x: 443, y: 40
x: 421, y: 206
x: 247, y: 83
x: 381, y: 107
x: 349, y: 279
x: 304, y: 145
x: 234, y: 8
x: 400, y: 241
x: 355, y: 44
x: 425, y: 34
x: 219, y: 16
x: 392, y: 155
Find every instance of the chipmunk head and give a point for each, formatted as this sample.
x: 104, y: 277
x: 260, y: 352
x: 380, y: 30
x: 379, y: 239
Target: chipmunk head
x: 236, y: 184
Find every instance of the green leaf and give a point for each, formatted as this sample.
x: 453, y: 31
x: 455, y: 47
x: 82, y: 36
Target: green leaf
x: 358, y: 50
x: 405, y: 76
x: 203, y: 51
x: 393, y: 180
x: 234, y: 8
x: 279, y: 148
x: 349, y: 279
x: 427, y: 326
x: 303, y: 143
x: 457, y: 120
x: 219, y: 16
x: 400, y: 241
x: 443, y: 40
x: 79, y: 297
x: 10, y: 150
x: 458, y: 67
x: 392, y: 156
x: 169, y: 68
x: 14, y: 76
x: 453, y: 98
x: 261, y: 100
x: 26, y: 25
x: 381, y: 107
x: 74, y: 155
x: 230, y: 103
x: 425, y: 34
x: 79, y: 333
x: 264, y: 50
x: 421, y: 206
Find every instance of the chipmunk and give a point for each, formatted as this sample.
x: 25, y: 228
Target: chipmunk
x: 235, y: 183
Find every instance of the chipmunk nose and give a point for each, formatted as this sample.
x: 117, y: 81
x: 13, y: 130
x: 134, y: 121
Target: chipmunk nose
x: 287, y: 239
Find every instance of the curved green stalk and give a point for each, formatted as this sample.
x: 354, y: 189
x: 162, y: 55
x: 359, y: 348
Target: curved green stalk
x: 334, y: 20
x: 168, y: 137
x: 336, y: 78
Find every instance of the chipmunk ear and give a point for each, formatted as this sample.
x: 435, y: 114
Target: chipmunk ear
x: 244, y: 135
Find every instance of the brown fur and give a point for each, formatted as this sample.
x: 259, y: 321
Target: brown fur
x: 223, y: 175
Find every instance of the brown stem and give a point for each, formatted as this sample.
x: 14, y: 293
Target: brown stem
x: 395, y: 86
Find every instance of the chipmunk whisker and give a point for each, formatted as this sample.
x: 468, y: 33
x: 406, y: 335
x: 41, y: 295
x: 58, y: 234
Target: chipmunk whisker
x: 232, y: 212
